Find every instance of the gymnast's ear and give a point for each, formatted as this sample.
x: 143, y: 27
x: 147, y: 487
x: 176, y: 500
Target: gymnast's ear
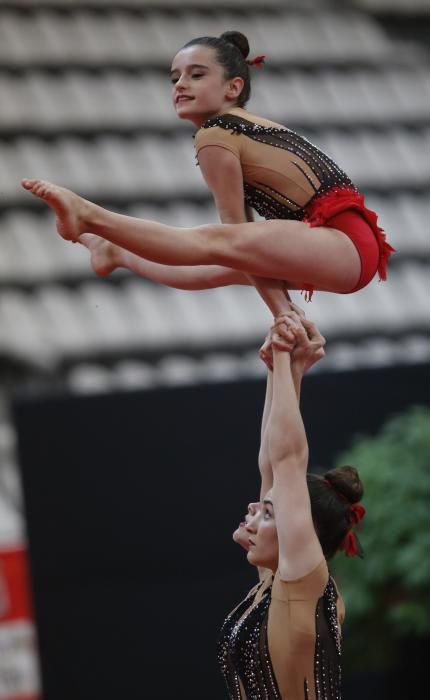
x: 234, y: 88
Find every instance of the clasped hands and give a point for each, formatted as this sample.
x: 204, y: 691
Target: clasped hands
x: 292, y: 332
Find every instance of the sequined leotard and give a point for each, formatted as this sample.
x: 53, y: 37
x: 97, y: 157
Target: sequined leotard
x: 283, y: 641
x: 287, y: 177
x: 282, y: 171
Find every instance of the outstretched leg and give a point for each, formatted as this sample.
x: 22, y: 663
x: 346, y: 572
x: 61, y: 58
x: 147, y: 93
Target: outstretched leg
x: 279, y: 249
x: 106, y: 257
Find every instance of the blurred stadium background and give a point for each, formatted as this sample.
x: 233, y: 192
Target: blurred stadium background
x: 85, y: 102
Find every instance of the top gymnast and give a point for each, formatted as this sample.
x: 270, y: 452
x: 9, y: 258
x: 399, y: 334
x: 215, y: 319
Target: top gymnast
x: 319, y: 235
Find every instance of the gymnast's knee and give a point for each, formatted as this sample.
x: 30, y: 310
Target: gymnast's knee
x: 218, y: 241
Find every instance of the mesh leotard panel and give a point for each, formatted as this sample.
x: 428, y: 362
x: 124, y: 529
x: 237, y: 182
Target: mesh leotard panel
x: 295, y: 657
x: 282, y: 170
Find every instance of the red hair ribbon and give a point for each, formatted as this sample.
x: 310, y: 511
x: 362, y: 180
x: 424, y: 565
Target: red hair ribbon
x: 349, y: 544
x: 358, y: 512
x: 257, y: 61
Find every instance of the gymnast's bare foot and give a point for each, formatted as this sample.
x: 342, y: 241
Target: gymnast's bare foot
x: 73, y: 212
x: 105, y: 256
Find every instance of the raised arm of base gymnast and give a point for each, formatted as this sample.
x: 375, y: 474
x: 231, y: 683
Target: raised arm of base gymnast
x: 289, y: 504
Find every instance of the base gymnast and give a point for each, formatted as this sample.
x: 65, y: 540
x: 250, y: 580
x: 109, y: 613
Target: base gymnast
x: 283, y: 641
x: 318, y: 234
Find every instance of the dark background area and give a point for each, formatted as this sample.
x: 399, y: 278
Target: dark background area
x: 131, y: 500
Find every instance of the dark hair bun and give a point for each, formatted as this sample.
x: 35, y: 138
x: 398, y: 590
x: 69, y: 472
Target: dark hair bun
x: 237, y: 39
x: 345, y: 480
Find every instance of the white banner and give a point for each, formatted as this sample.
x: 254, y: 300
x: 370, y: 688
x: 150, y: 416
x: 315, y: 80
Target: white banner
x: 19, y: 673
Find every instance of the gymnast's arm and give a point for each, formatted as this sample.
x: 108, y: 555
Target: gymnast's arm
x: 303, y: 356
x: 299, y: 548
x: 222, y: 171
x: 302, y: 359
x: 264, y: 465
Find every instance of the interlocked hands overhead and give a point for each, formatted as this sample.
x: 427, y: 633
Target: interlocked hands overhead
x: 293, y: 333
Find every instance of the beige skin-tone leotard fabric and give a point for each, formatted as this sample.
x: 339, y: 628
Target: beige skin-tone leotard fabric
x: 292, y: 631
x: 271, y: 170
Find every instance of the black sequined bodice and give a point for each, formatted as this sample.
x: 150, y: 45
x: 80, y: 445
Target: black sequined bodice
x: 243, y: 651
x: 327, y: 174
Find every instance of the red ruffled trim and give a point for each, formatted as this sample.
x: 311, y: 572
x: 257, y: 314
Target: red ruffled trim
x: 307, y: 291
x: 323, y: 207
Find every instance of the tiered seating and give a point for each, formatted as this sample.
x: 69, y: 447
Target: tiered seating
x: 86, y: 103
x: 123, y: 101
x: 117, y: 168
x: 97, y: 319
x: 131, y: 5
x: 399, y: 6
x: 87, y: 378
x: 116, y: 37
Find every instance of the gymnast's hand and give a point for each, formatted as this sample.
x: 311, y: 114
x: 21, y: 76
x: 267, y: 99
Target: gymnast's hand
x: 309, y: 342
x: 285, y: 327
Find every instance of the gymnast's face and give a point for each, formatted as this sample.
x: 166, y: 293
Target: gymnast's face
x: 263, y: 538
x: 199, y: 88
x: 241, y: 534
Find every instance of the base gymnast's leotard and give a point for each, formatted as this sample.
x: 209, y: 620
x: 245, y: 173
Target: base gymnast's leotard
x: 283, y: 642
